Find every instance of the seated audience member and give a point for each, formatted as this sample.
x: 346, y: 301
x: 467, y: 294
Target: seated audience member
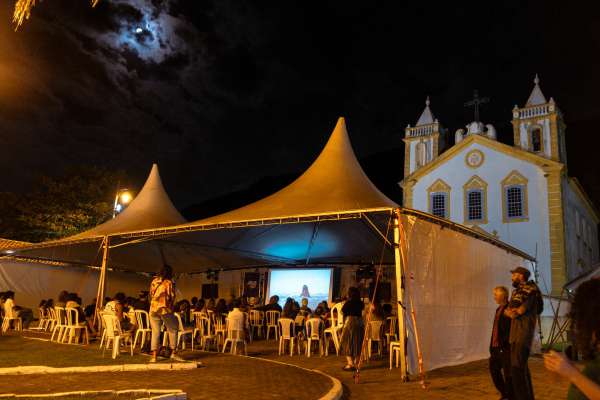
x: 141, y: 303
x: 11, y: 309
x: 221, y: 309
x: 62, y: 299
x: 90, y: 309
x: 183, y: 308
x: 376, y: 312
x: 73, y: 302
x: 193, y: 302
x: 199, y: 305
x: 229, y: 303
x: 42, y: 305
x: 49, y: 304
x: 304, y: 309
x: 289, y: 309
x: 272, y: 306
x: 236, y: 319
x: 115, y: 307
x: 585, y: 314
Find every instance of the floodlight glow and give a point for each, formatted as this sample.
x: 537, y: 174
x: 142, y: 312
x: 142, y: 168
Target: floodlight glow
x: 125, y: 197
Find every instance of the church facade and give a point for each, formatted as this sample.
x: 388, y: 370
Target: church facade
x: 519, y: 193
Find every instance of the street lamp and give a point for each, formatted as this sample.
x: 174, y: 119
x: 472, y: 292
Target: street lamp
x: 122, y: 198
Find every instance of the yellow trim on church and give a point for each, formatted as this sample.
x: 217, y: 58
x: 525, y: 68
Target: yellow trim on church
x: 514, y: 178
x: 556, y: 224
x: 475, y: 183
x: 439, y: 186
x: 484, y: 141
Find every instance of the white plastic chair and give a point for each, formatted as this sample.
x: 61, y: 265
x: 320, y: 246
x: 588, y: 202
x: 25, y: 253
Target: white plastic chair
x: 73, y: 325
x: 272, y: 318
x: 235, y: 336
x: 143, y: 327
x: 374, y: 336
x: 313, y: 334
x: 196, y: 316
x: 288, y: 334
x: 392, y: 322
x: 395, y: 350
x: 220, y: 328
x: 207, y: 335
x: 51, y: 319
x: 6, y: 323
x: 333, y: 332
x: 257, y: 322
x: 42, y: 321
x: 182, y: 332
x: 61, y: 324
x: 114, y: 335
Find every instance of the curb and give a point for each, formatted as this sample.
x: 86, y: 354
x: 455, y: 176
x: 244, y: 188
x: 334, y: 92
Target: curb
x: 335, y: 393
x: 29, y: 370
x: 150, y: 394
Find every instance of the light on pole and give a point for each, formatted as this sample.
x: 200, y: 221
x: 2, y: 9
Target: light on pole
x: 122, y: 198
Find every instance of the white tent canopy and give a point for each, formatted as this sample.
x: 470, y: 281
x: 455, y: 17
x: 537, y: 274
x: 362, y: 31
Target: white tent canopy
x: 331, y: 215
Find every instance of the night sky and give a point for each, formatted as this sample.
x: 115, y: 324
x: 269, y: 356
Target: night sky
x: 224, y: 93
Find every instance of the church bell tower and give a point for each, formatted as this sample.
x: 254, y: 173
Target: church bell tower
x: 538, y: 126
x: 423, y: 142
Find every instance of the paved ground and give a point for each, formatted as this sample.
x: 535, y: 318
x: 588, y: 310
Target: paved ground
x: 231, y: 377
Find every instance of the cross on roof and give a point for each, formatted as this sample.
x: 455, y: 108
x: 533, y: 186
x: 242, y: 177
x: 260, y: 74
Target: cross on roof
x: 476, y: 102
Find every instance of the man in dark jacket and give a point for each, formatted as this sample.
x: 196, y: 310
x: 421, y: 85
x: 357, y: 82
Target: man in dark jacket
x: 500, y: 346
x: 523, y: 308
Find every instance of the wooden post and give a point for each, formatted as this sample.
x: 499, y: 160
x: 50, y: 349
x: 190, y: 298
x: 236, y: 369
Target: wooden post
x: 400, y: 296
x: 101, y: 280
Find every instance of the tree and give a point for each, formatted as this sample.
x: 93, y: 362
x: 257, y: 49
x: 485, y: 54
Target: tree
x: 23, y: 10
x: 79, y: 200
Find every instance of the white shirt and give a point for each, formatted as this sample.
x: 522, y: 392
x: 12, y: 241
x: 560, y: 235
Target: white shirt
x: 237, y: 320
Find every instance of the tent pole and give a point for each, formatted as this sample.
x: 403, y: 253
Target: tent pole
x: 400, y: 295
x: 101, y: 280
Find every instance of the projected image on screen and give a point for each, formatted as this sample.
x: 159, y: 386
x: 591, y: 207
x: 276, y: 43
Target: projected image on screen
x: 310, y: 283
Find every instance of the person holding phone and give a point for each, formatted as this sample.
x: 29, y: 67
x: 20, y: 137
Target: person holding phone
x: 585, y: 314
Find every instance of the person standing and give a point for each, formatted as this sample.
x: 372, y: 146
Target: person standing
x: 162, y: 300
x: 585, y: 314
x: 523, y: 308
x: 500, y: 346
x: 354, y: 329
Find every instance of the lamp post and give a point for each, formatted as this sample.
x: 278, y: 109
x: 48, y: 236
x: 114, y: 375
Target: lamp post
x: 122, y: 197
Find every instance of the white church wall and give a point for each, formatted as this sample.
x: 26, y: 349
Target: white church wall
x: 531, y: 236
x: 581, y: 234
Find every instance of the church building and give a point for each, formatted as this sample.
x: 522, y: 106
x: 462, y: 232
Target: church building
x: 519, y: 193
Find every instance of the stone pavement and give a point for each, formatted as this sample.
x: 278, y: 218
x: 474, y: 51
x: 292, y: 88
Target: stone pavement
x: 222, y: 377
x: 377, y: 381
x: 231, y: 378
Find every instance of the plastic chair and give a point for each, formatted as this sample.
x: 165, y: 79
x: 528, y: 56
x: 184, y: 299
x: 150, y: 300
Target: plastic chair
x: 182, y: 332
x: 395, y: 349
x: 288, y: 334
x: 143, y: 327
x: 313, y: 334
x: 114, y: 334
x: 257, y: 322
x: 220, y: 328
x: 51, y: 319
x: 73, y: 325
x: 61, y: 324
x: 235, y: 336
x: 207, y: 336
x: 272, y: 318
x: 42, y: 321
x: 392, y: 322
x: 374, y: 336
x: 333, y: 332
x: 196, y: 316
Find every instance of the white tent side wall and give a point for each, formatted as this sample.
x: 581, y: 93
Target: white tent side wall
x: 451, y: 277
x: 33, y: 282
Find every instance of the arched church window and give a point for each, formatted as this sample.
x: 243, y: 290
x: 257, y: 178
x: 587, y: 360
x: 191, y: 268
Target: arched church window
x: 514, y: 198
x: 475, y: 201
x: 536, y: 139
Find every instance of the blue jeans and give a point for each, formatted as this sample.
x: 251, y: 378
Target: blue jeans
x: 172, y: 325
